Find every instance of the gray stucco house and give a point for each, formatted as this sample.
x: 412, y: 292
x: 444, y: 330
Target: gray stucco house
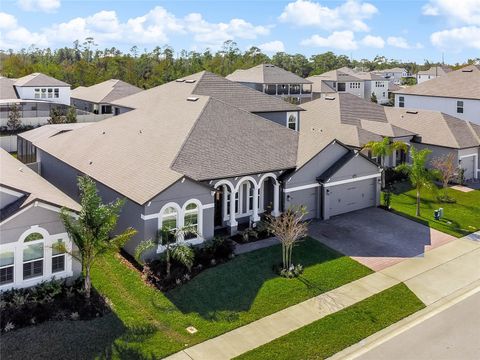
x: 355, y: 122
x: 210, y: 153
x: 30, y: 225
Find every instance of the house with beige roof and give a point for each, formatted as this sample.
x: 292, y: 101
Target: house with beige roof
x: 98, y: 98
x: 208, y: 153
x: 274, y: 80
x: 457, y: 94
x: 346, y: 80
x: 35, y: 95
x: 30, y: 226
x: 432, y: 73
x: 356, y: 122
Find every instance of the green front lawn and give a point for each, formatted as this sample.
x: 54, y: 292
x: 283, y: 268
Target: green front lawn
x: 460, y: 218
x: 152, y: 324
x: 335, y: 332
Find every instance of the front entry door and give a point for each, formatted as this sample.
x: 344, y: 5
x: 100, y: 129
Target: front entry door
x: 218, y: 221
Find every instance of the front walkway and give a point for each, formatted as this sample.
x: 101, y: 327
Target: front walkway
x: 439, y: 273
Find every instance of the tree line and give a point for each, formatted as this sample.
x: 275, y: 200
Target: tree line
x: 84, y: 64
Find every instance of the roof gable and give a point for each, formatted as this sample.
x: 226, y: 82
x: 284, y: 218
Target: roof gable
x: 266, y: 74
x: 39, y: 79
x: 105, y: 92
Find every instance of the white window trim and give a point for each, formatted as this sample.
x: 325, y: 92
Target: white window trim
x: 295, y: 114
x: 476, y: 171
x: 18, y: 246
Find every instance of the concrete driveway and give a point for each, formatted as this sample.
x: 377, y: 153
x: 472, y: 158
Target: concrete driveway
x: 377, y: 238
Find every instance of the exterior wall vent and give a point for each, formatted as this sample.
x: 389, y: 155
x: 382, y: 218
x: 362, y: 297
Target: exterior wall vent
x: 180, y: 80
x: 190, y: 81
x: 467, y: 70
x: 192, y: 98
x: 329, y: 97
x: 412, y: 112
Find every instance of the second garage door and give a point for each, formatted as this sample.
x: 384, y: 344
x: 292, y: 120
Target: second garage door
x: 352, y: 196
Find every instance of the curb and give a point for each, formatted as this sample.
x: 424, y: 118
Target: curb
x: 405, y: 324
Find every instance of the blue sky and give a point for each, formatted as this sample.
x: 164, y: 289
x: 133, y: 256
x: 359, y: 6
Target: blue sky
x: 404, y: 30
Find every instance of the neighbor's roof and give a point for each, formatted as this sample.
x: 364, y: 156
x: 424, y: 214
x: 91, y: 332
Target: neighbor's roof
x: 266, y: 74
x: 392, y: 70
x: 174, y: 133
x: 39, y: 79
x: 20, y: 177
x: 105, y: 92
x: 463, y: 83
x: 7, y: 90
x: 436, y: 71
x: 351, y: 120
x: 208, y: 84
x: 46, y: 131
x: 434, y: 127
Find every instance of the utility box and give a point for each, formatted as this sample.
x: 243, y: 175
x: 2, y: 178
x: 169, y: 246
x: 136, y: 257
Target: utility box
x: 436, y: 215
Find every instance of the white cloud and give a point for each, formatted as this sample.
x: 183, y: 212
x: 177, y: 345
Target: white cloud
x: 458, y: 38
x: 39, y: 5
x: 464, y: 12
x: 272, y: 46
x: 350, y: 15
x: 373, y: 41
x: 342, y: 40
x: 152, y: 28
x: 402, y: 43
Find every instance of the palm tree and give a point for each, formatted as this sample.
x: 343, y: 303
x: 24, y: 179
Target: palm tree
x: 419, y: 176
x: 91, y: 231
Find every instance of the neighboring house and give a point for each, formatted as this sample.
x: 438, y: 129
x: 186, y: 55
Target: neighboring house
x: 346, y: 80
x: 98, y: 98
x: 457, y: 93
x: 356, y: 122
x: 393, y: 75
x: 208, y: 153
x: 27, y: 140
x: 273, y: 80
x: 30, y: 226
x: 432, y: 73
x: 35, y: 95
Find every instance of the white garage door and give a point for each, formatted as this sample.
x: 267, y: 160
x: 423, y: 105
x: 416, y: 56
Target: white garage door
x: 468, y: 165
x: 352, y: 196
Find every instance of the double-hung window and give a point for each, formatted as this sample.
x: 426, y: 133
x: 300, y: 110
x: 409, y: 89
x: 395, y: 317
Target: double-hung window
x: 50, y: 93
x: 6, y: 267
x: 33, y: 256
x: 459, y: 107
x: 58, y: 256
x: 401, y: 101
x: 37, y: 93
x: 169, y: 223
x: 56, y: 93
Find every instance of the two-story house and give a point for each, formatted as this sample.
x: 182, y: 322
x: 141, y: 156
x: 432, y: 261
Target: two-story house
x: 432, y: 73
x: 393, y: 75
x: 346, y: 80
x: 212, y: 154
x: 273, y: 80
x: 456, y: 93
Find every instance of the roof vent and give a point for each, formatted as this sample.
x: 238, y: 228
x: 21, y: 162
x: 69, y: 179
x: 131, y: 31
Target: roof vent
x: 190, y: 81
x: 192, y: 98
x: 180, y: 80
x: 467, y: 70
x: 412, y: 112
x: 329, y: 97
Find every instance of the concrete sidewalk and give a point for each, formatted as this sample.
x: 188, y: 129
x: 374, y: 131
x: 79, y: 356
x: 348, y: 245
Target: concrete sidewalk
x: 435, y: 275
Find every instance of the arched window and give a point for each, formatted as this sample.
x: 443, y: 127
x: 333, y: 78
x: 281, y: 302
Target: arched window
x: 292, y: 122
x: 191, y: 221
x: 33, y: 256
x: 170, y: 223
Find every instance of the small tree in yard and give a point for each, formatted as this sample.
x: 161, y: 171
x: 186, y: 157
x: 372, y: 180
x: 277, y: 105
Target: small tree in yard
x: 91, y: 231
x: 71, y: 116
x: 56, y: 116
x: 14, y: 118
x: 373, y: 98
x: 447, y: 169
x: 420, y: 177
x: 289, y: 228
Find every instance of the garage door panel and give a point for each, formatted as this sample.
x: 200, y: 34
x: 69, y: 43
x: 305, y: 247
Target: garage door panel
x: 353, y: 196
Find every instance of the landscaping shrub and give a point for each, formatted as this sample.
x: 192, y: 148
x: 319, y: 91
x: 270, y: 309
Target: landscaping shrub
x: 259, y: 232
x: 212, y: 252
x: 53, y: 300
x: 392, y: 176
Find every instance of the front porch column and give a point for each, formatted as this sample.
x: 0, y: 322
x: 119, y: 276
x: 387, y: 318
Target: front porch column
x: 232, y: 222
x: 255, y: 216
x: 276, y: 199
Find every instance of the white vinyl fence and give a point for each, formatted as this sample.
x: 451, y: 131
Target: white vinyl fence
x: 8, y: 143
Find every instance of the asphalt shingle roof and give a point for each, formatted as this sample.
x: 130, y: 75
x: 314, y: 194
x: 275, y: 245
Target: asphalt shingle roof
x: 105, y: 92
x: 266, y: 74
x: 7, y: 90
x: 39, y: 79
